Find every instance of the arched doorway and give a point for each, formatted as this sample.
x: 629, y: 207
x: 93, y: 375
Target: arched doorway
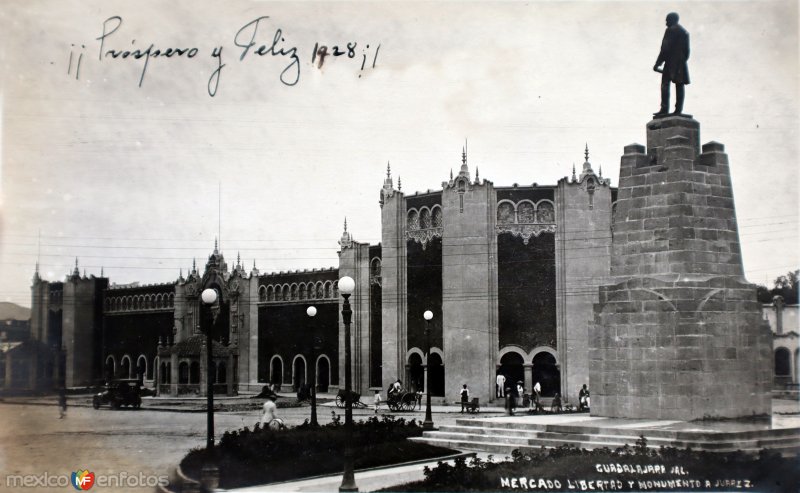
x: 125, y: 367
x: 436, y: 374
x: 783, y: 366
x: 194, y: 372
x: 299, y: 373
x: 222, y: 373
x: 323, y: 374
x: 546, y: 373
x: 276, y: 373
x: 183, y: 373
x: 416, y: 374
x: 511, y: 367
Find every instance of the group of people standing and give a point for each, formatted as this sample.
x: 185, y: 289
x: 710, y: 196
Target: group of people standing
x: 515, y: 395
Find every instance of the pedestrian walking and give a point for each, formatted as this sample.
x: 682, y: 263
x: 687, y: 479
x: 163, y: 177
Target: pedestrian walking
x: 377, y: 400
x: 464, y: 398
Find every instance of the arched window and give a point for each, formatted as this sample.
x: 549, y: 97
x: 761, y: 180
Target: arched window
x: 526, y: 213
x: 412, y: 220
x: 320, y: 291
x: 294, y: 295
x: 262, y: 293
x: 545, y: 213
x: 171, y: 300
x: 270, y: 293
x: 505, y: 213
x: 302, y: 290
x: 424, y: 219
x: 437, y: 217
x: 375, y: 267
x: 328, y: 290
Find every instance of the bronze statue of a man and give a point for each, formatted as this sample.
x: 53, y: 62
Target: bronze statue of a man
x: 674, y: 53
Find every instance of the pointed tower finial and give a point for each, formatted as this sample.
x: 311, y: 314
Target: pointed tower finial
x: 194, y: 266
x: 216, y: 250
x: 574, y: 178
x: 463, y: 156
x: 76, y: 272
x: 388, y: 170
x: 254, y: 264
x: 180, y: 273
x: 399, y: 183
x: 477, y: 175
x: 238, y: 260
x: 451, y: 174
x: 586, y: 152
x: 345, y: 224
x: 101, y: 272
x: 600, y: 171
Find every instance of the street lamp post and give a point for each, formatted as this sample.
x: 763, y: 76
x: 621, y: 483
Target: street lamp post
x: 428, y: 423
x: 311, y: 311
x: 346, y: 287
x: 210, y: 473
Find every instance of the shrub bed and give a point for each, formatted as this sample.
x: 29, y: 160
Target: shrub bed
x: 624, y: 469
x: 251, y: 457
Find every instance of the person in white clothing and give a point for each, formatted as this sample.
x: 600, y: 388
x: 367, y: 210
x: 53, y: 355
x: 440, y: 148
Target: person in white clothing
x: 270, y: 416
x: 501, y: 385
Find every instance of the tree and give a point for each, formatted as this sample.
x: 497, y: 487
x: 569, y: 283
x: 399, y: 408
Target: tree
x: 787, y: 287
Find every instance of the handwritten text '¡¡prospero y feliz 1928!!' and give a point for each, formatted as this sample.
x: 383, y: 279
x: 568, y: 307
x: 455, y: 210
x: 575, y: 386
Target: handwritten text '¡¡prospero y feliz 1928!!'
x: 247, y: 42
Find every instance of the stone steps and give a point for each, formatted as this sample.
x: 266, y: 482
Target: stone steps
x: 503, y: 437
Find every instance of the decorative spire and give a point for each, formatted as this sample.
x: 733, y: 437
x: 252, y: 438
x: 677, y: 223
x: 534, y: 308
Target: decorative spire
x: 574, y: 178
x: 399, y: 184
x: 587, y: 167
x: 76, y: 272
x: 477, y: 175
x: 216, y: 250
x: 388, y: 170
x: 238, y: 260
x: 194, y: 266
x: 84, y: 272
x: 346, y: 241
x: 600, y: 171
x: 101, y: 271
x: 254, y: 264
x: 451, y: 174
x: 463, y: 156
x: 180, y: 273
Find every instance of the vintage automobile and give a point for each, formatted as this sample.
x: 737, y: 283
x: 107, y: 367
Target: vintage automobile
x: 119, y: 393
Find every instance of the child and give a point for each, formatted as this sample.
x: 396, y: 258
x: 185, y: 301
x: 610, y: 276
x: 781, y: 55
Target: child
x: 377, y: 400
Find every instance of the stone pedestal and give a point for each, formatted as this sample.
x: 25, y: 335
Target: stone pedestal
x: 678, y: 333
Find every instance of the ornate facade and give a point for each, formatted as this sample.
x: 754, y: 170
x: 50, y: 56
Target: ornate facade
x: 509, y: 272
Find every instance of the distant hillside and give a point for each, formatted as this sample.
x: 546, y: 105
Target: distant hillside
x: 12, y: 311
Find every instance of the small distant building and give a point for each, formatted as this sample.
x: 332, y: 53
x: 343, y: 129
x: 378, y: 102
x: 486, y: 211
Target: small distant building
x: 785, y: 324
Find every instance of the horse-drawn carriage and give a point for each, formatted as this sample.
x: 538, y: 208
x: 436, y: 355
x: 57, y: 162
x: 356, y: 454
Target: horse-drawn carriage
x: 403, y: 401
x: 354, y: 398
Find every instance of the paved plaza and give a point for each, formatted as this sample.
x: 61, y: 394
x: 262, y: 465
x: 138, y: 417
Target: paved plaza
x: 33, y: 441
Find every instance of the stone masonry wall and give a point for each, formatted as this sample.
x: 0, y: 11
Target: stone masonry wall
x: 678, y: 334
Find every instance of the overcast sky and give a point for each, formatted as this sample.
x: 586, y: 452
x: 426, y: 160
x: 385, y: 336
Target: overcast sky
x: 126, y: 177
